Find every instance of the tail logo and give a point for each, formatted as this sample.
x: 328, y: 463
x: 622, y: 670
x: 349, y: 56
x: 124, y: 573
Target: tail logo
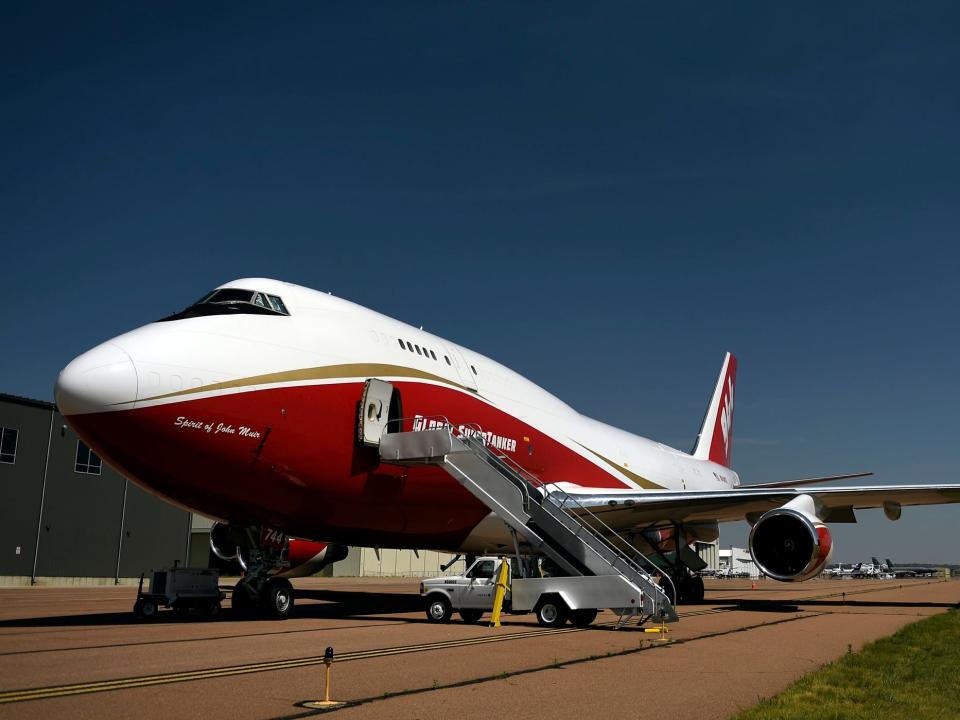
x: 726, y: 415
x: 715, y: 442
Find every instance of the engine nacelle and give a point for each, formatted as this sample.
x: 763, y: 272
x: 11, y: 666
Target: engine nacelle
x: 296, y: 558
x: 307, y: 557
x: 791, y: 543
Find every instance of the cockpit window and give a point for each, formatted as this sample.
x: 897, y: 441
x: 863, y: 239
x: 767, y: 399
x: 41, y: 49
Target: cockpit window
x: 277, y: 304
x: 228, y: 295
x: 232, y: 301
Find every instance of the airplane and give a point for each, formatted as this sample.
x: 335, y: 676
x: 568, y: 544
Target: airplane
x: 841, y: 572
x: 905, y: 570
x: 247, y: 407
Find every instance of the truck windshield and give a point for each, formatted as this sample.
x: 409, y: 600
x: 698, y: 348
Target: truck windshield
x: 481, y: 569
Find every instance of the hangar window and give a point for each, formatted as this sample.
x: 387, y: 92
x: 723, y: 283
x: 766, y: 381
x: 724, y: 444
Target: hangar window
x: 8, y: 445
x: 87, y: 460
x: 231, y: 301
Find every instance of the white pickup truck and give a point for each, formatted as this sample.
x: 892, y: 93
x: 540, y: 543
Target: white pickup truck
x: 553, y: 599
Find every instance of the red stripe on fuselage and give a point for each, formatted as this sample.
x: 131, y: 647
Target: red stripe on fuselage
x: 299, y: 469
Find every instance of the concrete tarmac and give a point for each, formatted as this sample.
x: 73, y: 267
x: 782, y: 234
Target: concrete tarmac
x: 79, y: 652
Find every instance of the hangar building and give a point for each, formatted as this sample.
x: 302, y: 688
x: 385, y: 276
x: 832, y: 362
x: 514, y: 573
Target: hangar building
x: 66, y: 513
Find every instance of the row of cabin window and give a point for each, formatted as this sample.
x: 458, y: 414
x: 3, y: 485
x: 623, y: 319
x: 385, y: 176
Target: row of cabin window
x: 416, y: 348
x: 427, y: 353
x: 87, y: 461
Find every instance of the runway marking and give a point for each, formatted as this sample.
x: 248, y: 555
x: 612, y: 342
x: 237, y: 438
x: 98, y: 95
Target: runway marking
x: 233, y: 670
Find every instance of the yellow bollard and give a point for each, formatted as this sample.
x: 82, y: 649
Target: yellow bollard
x: 502, y: 578
x: 326, y: 702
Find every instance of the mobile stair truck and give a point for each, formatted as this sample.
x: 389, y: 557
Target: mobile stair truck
x: 554, y: 600
x: 602, y: 570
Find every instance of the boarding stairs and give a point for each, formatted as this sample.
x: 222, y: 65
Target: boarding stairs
x: 550, y: 520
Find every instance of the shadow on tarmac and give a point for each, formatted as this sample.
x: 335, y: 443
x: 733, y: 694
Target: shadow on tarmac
x: 332, y: 605
x: 342, y: 605
x: 782, y: 605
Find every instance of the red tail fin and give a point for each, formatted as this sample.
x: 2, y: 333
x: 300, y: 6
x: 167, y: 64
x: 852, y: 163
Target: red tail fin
x: 715, y: 442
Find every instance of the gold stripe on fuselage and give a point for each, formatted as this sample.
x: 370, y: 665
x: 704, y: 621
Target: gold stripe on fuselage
x: 638, y: 479
x: 327, y: 372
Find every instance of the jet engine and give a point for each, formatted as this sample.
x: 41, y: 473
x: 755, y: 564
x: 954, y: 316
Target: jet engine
x: 307, y: 557
x: 791, y: 543
x: 293, y: 557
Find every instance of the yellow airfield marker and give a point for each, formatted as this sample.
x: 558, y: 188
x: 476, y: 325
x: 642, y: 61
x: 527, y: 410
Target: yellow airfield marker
x: 326, y: 703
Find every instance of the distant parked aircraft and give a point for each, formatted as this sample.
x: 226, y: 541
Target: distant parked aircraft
x: 841, y: 572
x: 906, y: 570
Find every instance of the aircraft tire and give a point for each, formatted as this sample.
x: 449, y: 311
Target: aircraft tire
x: 691, y: 589
x: 276, y: 598
x: 241, y: 603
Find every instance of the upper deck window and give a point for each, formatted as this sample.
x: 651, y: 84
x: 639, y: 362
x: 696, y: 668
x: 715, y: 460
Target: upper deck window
x: 229, y: 301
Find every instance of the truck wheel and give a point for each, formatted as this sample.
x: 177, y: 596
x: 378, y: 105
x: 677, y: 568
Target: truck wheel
x: 438, y: 609
x: 582, y: 618
x: 551, y: 612
x: 148, y: 609
x: 276, y: 598
x: 471, y: 616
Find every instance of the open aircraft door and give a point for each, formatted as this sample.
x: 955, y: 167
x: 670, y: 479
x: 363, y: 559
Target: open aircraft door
x: 463, y: 369
x: 380, y: 411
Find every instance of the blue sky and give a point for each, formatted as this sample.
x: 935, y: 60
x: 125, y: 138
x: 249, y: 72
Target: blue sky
x: 604, y: 197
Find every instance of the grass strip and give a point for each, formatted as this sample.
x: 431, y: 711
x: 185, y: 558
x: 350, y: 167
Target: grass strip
x: 913, y: 674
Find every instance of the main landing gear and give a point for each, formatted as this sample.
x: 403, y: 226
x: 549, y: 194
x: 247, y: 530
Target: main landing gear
x: 271, y: 596
x: 687, y: 587
x: 260, y: 593
x: 261, y: 555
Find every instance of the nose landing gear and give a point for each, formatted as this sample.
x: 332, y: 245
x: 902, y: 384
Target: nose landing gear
x: 259, y: 591
x: 271, y: 597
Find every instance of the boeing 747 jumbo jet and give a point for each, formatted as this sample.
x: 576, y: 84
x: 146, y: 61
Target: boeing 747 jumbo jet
x: 306, y: 423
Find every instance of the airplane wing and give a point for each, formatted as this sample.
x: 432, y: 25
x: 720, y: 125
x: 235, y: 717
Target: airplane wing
x: 630, y: 509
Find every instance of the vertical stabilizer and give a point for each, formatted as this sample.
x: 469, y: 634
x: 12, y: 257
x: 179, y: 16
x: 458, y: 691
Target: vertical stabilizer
x: 715, y: 441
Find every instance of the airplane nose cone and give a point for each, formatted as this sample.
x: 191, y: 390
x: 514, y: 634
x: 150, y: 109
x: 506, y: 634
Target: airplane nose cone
x: 100, y: 379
